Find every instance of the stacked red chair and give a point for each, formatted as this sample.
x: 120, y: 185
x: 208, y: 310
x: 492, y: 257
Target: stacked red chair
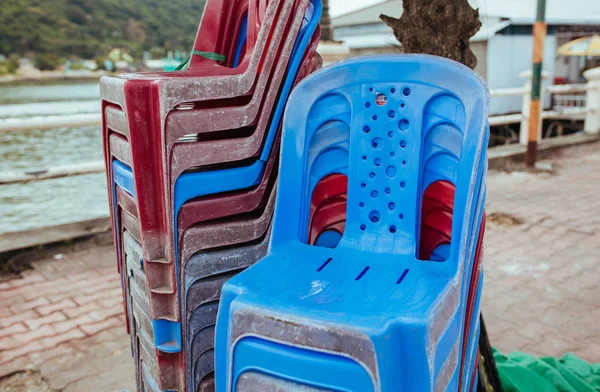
x: 191, y: 160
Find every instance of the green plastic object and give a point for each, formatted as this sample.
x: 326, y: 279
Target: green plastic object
x: 208, y: 55
x: 520, y: 372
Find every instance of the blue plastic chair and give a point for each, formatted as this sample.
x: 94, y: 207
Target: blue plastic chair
x: 241, y: 41
x: 366, y: 315
x: 167, y: 334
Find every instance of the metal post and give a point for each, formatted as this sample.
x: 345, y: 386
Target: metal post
x: 539, y: 36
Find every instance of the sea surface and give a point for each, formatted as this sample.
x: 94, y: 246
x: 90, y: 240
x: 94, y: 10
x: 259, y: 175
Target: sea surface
x: 54, y: 201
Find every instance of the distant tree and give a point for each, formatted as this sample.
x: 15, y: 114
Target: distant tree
x: 77, y: 66
x: 76, y: 14
x: 157, y: 52
x: 135, y: 30
x: 100, y: 63
x: 12, y: 63
x: 46, y: 62
x: 439, y: 27
x: 89, y: 28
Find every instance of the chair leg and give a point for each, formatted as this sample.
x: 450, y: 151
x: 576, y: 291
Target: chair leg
x: 489, y: 379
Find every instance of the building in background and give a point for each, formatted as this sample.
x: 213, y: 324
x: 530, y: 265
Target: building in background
x: 503, y: 45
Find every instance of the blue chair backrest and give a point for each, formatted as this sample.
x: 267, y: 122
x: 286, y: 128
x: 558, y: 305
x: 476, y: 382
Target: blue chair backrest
x: 393, y: 124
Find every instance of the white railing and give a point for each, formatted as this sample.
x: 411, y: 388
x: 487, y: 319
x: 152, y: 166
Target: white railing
x: 570, y: 102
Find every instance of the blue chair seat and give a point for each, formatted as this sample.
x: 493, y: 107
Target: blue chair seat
x: 344, y: 295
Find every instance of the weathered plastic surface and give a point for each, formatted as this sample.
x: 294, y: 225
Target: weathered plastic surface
x: 210, y: 22
x: 126, y: 220
x: 243, y: 110
x: 231, y: 203
x: 186, y: 186
x: 196, y: 211
x: 146, y: 139
x: 139, y: 308
x: 234, y: 231
x: 255, y: 381
x: 186, y: 155
x: 167, y: 374
x: 137, y: 143
x: 255, y: 117
x: 149, y: 375
x: 238, y: 202
x: 340, y: 315
x: 221, y: 25
x: 203, y: 276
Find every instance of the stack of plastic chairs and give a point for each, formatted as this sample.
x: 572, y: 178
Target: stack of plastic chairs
x: 373, y: 276
x: 192, y: 162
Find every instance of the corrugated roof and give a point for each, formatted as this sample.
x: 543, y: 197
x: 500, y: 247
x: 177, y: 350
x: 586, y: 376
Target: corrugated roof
x: 571, y: 12
x: 558, y: 12
x: 369, y: 14
x: 380, y: 40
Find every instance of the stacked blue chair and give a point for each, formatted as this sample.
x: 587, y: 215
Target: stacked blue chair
x: 368, y: 314
x: 172, y: 273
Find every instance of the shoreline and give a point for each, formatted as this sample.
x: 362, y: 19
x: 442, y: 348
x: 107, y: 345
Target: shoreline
x: 9, y: 80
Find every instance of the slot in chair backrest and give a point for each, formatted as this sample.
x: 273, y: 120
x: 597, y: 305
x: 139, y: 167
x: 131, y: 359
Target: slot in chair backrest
x: 393, y: 125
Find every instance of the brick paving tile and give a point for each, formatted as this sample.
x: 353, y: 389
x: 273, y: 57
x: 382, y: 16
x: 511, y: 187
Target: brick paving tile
x: 46, y: 328
x: 62, y: 305
x: 541, y: 293
x: 10, y: 320
x: 49, y: 319
x: 20, y: 308
x: 92, y: 329
x: 83, y: 309
x: 549, y: 262
x: 13, y: 330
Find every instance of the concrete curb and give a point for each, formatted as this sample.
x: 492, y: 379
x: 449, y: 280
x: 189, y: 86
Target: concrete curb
x: 501, y: 156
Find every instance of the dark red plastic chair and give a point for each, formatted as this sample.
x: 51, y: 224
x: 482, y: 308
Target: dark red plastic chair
x: 220, y: 234
x: 148, y: 98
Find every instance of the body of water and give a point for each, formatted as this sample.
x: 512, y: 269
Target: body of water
x: 55, y: 201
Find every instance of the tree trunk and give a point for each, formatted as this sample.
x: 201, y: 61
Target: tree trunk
x: 439, y: 27
x: 326, y: 28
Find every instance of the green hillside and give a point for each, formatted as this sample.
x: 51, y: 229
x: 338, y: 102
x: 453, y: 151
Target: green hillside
x: 91, y: 28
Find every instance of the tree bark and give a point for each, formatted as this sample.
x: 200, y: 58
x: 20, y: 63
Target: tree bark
x: 325, y: 22
x: 439, y: 27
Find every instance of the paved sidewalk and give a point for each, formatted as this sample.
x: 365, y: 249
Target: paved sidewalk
x: 63, y: 321
x: 542, y: 278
